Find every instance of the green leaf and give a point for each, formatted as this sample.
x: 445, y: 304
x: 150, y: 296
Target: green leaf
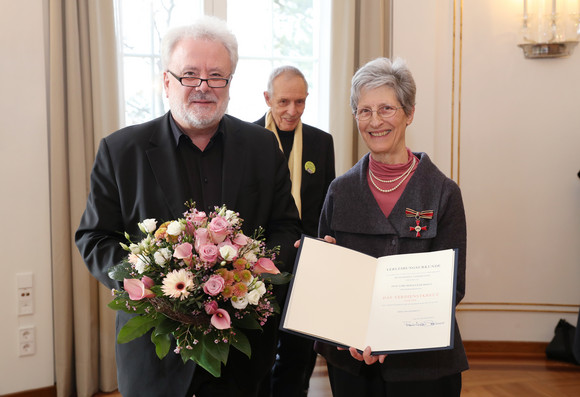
x: 191, y: 354
x: 136, y: 327
x: 203, y: 358
x: 118, y: 304
x: 241, y: 342
x: 249, y: 321
x: 166, y: 325
x: 277, y: 279
x: 129, y: 306
x: 219, y: 351
x: 120, y: 272
x: 275, y: 306
x: 210, y: 363
x: 162, y: 343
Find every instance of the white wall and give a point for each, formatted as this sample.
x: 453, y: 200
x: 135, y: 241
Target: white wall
x: 25, y: 232
x: 518, y: 121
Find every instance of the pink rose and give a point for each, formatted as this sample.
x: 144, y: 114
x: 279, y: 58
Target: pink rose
x: 201, y: 238
x: 138, y: 289
x: 208, y: 253
x: 265, y: 265
x: 198, y: 217
x: 221, y: 319
x: 211, y: 307
x: 214, y: 285
x: 189, y: 228
x: 219, y: 229
x: 240, y: 240
x: 183, y: 251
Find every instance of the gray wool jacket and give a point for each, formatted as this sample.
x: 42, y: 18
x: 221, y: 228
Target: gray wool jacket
x: 352, y: 216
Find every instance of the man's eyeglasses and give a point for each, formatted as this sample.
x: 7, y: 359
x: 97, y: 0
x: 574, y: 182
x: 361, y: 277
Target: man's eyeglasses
x: 384, y: 112
x: 213, y: 82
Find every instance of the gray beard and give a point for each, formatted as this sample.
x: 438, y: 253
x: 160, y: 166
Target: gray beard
x: 196, y: 119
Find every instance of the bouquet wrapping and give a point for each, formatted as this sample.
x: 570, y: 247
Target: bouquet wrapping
x: 198, y: 281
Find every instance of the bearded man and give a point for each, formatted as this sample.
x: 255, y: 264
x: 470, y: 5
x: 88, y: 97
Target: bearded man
x: 194, y: 152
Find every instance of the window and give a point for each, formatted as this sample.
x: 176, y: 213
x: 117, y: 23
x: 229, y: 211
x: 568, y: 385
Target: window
x: 270, y: 33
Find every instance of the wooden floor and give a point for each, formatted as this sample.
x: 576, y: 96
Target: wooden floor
x: 490, y: 375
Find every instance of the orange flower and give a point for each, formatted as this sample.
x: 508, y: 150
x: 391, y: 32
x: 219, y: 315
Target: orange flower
x: 227, y: 275
x: 240, y: 264
x: 240, y: 289
x: 161, y: 233
x: 243, y: 276
x: 228, y: 291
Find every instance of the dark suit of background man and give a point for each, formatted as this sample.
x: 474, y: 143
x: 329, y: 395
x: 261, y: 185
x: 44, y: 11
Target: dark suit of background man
x: 310, y: 154
x: 192, y: 152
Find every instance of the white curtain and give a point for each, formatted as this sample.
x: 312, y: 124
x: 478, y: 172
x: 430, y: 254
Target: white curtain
x: 83, y: 107
x: 360, y: 32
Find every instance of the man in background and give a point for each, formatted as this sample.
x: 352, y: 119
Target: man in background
x: 310, y: 155
x: 193, y: 152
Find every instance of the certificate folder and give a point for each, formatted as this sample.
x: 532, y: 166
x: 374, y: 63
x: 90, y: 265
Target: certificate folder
x: 394, y: 304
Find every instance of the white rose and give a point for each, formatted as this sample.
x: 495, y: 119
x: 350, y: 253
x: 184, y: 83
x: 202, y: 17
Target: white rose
x: 175, y: 228
x: 254, y: 297
x: 162, y: 256
x: 148, y: 225
x: 140, y: 266
x: 260, y: 287
x: 239, y: 303
x: 227, y: 252
x: 232, y: 217
x: 135, y: 248
x: 250, y: 257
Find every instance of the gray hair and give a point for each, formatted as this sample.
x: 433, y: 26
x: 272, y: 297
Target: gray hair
x: 281, y: 70
x: 383, y: 71
x: 206, y: 28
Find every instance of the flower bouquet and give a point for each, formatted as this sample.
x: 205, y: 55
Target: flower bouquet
x: 200, y: 280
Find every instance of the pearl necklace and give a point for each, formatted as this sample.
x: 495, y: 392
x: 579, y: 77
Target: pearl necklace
x: 404, y: 175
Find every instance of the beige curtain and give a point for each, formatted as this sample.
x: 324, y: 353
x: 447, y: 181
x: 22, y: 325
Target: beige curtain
x: 361, y: 31
x: 83, y: 107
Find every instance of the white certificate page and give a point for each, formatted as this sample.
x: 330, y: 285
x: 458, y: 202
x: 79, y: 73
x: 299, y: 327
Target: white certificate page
x: 393, y: 304
x: 413, y: 302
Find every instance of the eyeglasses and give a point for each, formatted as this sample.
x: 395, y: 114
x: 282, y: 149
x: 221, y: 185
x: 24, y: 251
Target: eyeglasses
x: 213, y: 82
x: 384, y: 112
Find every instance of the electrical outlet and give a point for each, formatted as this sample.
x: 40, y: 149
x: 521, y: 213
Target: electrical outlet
x: 25, y: 303
x: 26, y: 341
x: 25, y: 294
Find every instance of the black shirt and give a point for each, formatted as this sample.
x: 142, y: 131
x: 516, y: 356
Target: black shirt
x: 287, y: 141
x: 202, y: 170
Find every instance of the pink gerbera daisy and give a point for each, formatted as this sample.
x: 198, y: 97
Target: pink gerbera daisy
x: 178, y: 284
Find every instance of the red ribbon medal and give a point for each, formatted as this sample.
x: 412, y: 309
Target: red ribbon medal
x: 428, y: 214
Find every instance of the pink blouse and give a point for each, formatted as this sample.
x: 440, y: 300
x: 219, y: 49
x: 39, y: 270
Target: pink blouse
x: 388, y: 172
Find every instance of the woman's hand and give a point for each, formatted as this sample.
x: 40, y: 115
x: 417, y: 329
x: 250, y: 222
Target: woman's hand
x: 365, y: 356
x: 327, y: 238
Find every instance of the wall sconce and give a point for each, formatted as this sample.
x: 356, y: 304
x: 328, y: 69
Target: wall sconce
x: 551, y: 28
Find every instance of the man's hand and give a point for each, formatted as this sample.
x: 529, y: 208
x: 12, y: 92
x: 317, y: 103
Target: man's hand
x: 327, y: 238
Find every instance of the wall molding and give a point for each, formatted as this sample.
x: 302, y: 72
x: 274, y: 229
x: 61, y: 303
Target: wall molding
x: 43, y: 392
x: 505, y: 348
x: 520, y: 307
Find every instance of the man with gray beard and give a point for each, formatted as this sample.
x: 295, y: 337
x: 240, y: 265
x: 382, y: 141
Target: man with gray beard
x: 194, y: 152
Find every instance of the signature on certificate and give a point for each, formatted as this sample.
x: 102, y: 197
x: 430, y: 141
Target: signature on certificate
x: 422, y: 323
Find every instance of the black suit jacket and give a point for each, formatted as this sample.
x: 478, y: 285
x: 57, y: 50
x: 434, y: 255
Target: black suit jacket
x: 318, y: 148
x: 136, y: 176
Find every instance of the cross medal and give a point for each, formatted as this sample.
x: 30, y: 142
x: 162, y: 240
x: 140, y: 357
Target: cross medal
x: 428, y: 214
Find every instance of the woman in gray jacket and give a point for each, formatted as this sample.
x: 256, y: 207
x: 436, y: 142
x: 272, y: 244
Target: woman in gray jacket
x: 393, y: 201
